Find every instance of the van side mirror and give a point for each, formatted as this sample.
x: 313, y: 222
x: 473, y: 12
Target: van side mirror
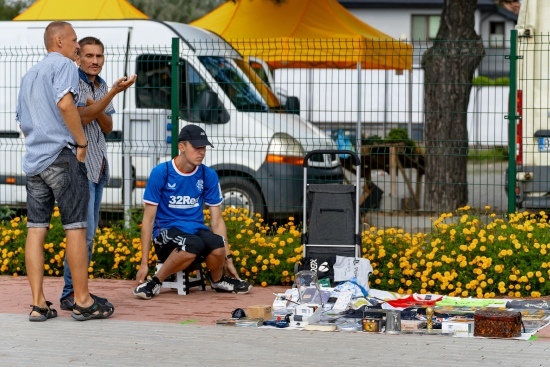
x: 211, y: 109
x: 292, y: 105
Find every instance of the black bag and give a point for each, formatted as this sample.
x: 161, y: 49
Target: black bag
x: 323, y: 266
x: 373, y: 200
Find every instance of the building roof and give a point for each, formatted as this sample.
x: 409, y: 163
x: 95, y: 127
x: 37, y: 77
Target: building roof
x: 408, y: 3
x: 483, y: 5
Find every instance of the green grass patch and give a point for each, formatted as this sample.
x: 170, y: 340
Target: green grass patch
x: 483, y: 81
x: 485, y: 154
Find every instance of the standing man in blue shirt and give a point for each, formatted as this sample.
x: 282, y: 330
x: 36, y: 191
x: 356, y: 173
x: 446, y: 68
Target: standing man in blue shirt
x: 54, y: 164
x: 96, y: 110
x: 174, y: 198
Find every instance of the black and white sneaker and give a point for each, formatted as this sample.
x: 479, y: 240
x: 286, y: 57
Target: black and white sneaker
x: 231, y: 285
x: 148, y: 289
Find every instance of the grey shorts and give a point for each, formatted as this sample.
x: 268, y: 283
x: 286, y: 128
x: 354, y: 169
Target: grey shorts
x: 65, y: 181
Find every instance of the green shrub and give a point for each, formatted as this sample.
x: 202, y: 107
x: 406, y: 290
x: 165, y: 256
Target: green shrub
x: 484, y: 81
x: 484, y: 154
x: 398, y: 135
x: 465, y: 254
x: 373, y: 139
x: 5, y: 213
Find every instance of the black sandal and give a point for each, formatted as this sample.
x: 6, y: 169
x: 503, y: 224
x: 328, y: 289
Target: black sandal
x: 45, y: 312
x: 98, y: 310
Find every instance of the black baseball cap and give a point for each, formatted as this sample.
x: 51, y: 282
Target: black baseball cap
x: 194, y: 135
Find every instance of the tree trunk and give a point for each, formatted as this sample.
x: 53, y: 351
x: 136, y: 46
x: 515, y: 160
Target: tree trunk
x: 449, y: 67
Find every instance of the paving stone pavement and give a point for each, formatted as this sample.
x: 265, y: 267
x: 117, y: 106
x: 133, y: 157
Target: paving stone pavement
x: 126, y: 343
x: 141, y: 333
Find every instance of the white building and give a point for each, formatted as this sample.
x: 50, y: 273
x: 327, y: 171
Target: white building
x: 418, y: 20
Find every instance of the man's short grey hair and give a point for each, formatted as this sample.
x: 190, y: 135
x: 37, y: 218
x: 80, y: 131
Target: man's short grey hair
x: 52, y: 30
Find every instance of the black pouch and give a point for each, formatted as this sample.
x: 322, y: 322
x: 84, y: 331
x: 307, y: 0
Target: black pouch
x: 323, y: 266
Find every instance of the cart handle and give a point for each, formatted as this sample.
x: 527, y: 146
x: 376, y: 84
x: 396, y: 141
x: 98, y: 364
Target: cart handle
x: 332, y: 151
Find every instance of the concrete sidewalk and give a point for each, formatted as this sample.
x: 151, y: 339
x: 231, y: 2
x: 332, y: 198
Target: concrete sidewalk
x: 178, y: 330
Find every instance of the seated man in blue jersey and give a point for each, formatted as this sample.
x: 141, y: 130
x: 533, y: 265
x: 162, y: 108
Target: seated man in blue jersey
x: 174, y: 198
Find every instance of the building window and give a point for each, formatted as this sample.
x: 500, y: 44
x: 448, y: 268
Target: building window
x: 425, y: 27
x: 496, y: 34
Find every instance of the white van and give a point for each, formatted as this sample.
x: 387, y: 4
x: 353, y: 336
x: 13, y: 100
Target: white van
x: 533, y: 106
x: 258, y: 146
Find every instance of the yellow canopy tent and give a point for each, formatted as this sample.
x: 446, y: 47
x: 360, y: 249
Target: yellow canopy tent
x: 80, y: 10
x: 305, y: 34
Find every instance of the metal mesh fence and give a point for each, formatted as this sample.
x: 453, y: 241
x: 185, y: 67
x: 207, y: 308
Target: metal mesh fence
x: 261, y: 133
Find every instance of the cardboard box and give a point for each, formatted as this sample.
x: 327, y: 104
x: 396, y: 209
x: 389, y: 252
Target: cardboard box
x: 259, y: 312
x: 413, y: 324
x: 304, y: 315
x: 461, y: 328
x: 285, y: 300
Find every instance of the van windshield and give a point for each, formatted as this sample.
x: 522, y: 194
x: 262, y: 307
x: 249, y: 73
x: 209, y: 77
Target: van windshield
x: 261, y: 84
x: 239, y: 90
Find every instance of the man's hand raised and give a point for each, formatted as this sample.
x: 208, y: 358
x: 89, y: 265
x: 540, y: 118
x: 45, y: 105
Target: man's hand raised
x: 124, y: 83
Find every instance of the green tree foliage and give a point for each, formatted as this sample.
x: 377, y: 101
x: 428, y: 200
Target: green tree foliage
x: 10, y: 8
x: 183, y: 11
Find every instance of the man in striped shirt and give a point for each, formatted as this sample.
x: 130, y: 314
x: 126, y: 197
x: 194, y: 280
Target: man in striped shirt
x: 95, y: 108
x: 55, y: 170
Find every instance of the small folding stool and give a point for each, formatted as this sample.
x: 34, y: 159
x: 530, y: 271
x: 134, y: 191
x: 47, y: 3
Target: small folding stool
x: 182, y: 281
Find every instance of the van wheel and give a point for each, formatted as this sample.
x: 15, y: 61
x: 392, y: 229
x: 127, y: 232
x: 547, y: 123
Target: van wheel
x: 239, y: 192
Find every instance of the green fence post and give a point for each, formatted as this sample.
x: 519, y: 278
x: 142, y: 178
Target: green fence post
x: 175, y: 100
x: 512, y: 123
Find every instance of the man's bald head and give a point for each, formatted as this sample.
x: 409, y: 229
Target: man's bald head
x: 61, y: 37
x: 53, y: 30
